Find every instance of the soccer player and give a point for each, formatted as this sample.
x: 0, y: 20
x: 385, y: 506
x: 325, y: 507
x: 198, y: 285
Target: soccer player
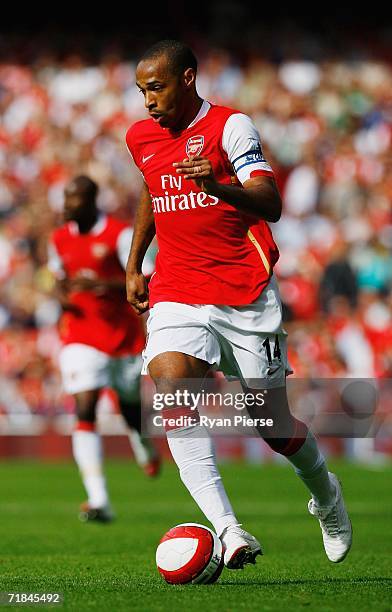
x: 102, y: 336
x: 208, y: 195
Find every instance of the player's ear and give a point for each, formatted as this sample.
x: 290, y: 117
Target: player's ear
x: 189, y: 77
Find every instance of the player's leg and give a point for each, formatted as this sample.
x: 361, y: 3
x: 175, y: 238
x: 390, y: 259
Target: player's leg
x: 192, y: 450
x: 125, y: 378
x: 87, y: 452
x: 260, y: 360
x: 84, y: 373
x: 292, y: 438
x: 145, y: 453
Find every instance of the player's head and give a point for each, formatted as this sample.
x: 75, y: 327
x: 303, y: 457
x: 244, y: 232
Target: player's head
x: 166, y: 76
x: 80, y: 198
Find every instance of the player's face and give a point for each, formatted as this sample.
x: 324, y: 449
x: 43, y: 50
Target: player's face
x: 74, y: 203
x: 165, y: 94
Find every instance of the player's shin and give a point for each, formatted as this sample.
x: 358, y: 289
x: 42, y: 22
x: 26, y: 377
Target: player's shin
x: 309, y: 464
x: 296, y: 442
x: 141, y: 447
x: 87, y: 452
x: 192, y: 450
x: 291, y: 438
x: 145, y: 453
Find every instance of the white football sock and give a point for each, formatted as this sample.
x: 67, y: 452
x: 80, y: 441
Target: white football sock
x: 141, y: 447
x: 193, y: 452
x: 87, y: 451
x: 310, y: 466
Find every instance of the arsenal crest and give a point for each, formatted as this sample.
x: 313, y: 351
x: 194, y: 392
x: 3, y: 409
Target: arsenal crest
x: 194, y: 146
x: 99, y: 249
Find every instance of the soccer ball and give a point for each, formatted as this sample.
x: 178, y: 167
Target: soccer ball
x: 190, y: 554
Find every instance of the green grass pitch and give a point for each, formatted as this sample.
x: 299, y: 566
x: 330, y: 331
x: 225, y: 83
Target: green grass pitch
x: 44, y: 548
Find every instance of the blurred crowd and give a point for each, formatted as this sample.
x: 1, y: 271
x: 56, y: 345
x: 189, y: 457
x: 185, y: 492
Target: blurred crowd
x: 326, y: 130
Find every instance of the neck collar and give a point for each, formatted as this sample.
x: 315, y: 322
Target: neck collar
x: 96, y: 229
x: 205, y: 107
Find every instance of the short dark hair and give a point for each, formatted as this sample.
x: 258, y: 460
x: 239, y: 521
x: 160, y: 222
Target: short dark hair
x: 179, y: 56
x: 87, y: 186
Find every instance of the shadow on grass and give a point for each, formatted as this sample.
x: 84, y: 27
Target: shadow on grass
x: 379, y: 580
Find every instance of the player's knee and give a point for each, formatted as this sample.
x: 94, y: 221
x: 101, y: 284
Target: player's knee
x: 86, y: 413
x: 167, y: 369
x: 86, y: 403
x: 287, y: 434
x: 291, y: 444
x: 131, y: 413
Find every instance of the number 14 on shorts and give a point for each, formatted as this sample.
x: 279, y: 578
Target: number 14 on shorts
x: 275, y: 359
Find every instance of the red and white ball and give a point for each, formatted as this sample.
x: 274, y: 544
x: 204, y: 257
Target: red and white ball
x: 190, y: 554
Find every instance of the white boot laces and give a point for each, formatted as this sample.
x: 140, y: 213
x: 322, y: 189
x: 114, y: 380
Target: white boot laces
x: 330, y: 523
x: 328, y: 517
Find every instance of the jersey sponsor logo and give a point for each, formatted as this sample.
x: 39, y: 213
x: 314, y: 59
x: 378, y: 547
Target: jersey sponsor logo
x: 99, y: 249
x: 194, y: 146
x: 145, y: 158
x: 181, y: 202
x: 177, y: 202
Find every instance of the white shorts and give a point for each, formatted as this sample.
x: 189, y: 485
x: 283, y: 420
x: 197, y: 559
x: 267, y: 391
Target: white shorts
x: 246, y: 342
x: 84, y: 368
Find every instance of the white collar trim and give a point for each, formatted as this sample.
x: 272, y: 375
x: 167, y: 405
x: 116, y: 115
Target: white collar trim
x: 205, y: 107
x: 96, y: 229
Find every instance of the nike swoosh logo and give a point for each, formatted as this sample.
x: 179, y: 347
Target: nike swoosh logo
x: 273, y: 370
x: 144, y: 159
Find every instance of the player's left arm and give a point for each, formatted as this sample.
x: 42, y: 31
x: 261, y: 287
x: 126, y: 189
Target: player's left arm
x: 258, y: 195
x: 96, y: 285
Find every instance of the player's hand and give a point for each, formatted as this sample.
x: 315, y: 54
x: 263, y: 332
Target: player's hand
x: 198, y: 169
x: 84, y: 283
x: 137, y: 291
x: 62, y: 294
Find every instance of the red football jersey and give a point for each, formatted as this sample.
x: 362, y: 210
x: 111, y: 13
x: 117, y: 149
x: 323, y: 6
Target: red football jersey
x: 104, y: 321
x: 209, y: 251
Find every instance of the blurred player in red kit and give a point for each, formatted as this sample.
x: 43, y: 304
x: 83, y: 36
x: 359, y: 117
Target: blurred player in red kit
x: 214, y: 302
x: 102, y: 337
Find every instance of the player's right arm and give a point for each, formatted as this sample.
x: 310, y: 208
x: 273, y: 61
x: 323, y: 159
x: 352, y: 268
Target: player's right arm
x: 143, y: 233
x: 61, y: 283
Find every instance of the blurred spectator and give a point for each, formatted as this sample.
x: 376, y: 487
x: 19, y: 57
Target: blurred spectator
x: 338, y: 278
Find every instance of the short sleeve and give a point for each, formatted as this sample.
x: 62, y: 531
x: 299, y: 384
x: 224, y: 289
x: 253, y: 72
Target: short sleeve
x: 123, y: 245
x: 55, y: 263
x: 129, y: 142
x: 124, y: 241
x: 241, y: 142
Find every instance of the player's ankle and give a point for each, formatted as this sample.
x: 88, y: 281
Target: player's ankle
x: 329, y: 499
x: 230, y: 527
